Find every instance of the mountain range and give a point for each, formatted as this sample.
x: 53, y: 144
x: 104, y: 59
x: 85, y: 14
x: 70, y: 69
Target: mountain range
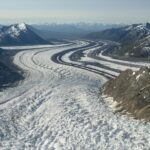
x: 24, y: 34
x: 68, y: 31
x: 134, y: 40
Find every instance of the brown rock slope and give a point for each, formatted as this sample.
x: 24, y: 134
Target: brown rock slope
x: 131, y: 90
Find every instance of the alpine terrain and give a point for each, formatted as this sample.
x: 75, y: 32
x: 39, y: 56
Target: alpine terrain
x: 59, y: 105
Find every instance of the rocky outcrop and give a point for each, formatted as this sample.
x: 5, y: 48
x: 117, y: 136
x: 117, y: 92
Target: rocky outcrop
x: 131, y: 91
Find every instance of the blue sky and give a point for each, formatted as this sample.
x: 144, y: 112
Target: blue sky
x: 71, y: 11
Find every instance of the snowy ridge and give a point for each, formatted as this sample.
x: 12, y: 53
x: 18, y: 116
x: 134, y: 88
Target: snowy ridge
x: 22, y: 26
x: 15, y: 30
x: 19, y: 34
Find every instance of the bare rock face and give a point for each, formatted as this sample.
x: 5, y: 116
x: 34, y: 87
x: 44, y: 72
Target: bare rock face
x: 131, y: 90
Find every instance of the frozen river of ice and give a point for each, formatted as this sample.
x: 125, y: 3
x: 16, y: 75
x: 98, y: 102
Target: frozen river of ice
x: 59, y: 107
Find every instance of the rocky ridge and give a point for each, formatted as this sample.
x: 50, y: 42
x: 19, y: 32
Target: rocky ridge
x: 131, y: 93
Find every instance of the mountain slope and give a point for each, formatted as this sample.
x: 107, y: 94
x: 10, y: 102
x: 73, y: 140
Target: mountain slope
x: 123, y: 34
x: 131, y: 91
x: 19, y: 34
x: 134, y: 39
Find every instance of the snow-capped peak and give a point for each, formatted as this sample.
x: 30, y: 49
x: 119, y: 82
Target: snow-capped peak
x: 140, y: 28
x: 22, y: 26
x: 15, y: 30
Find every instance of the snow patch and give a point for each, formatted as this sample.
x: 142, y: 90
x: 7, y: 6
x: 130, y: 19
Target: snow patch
x: 111, y: 103
x: 22, y: 26
x: 138, y: 77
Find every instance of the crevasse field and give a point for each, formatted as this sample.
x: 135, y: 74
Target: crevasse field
x: 59, y: 105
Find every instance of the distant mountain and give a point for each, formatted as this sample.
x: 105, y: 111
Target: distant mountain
x: 19, y: 34
x: 123, y: 34
x: 134, y: 39
x: 91, y: 27
x: 56, y: 31
x: 49, y: 35
x: 68, y: 31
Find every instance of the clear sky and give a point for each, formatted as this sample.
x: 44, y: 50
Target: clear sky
x: 71, y: 11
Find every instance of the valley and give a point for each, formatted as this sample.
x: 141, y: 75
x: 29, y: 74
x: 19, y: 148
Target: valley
x: 59, y: 105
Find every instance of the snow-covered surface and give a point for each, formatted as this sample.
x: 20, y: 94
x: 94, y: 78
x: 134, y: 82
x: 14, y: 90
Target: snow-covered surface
x: 22, y: 26
x: 138, y: 76
x: 138, y: 28
x: 14, y: 32
x: 66, y: 59
x: 111, y: 103
x: 109, y: 64
x: 26, y: 47
x: 104, y: 70
x: 87, y: 58
x: 37, y: 46
x: 58, y: 107
x: 125, y: 62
